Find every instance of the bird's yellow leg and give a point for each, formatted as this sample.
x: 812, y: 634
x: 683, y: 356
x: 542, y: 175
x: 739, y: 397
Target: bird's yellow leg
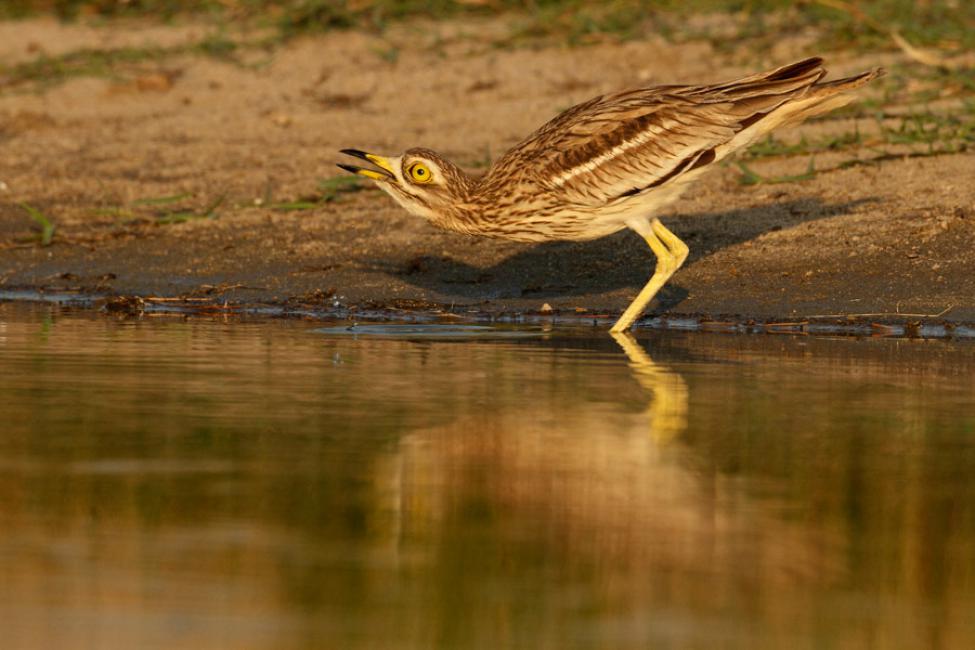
x: 676, y: 247
x: 670, y: 252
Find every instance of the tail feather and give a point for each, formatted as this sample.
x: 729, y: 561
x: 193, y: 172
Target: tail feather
x: 806, y: 68
x: 762, y: 111
x: 849, y: 83
x: 827, y: 96
x: 780, y: 81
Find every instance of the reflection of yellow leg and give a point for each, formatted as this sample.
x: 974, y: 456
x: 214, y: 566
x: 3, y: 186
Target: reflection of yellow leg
x: 671, y: 253
x: 667, y: 410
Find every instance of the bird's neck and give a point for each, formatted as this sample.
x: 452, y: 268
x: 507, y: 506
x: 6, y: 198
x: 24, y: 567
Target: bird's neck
x: 469, y: 207
x: 480, y: 206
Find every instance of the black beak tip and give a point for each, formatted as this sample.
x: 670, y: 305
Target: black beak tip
x: 355, y: 152
x: 348, y: 168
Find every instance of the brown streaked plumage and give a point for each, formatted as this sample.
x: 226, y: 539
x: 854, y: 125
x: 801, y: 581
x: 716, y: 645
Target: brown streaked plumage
x: 611, y: 162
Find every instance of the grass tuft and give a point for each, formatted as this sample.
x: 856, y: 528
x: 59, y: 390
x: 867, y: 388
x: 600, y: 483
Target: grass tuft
x: 43, y: 223
x: 330, y: 189
x: 182, y: 216
x: 162, y: 200
x: 751, y: 177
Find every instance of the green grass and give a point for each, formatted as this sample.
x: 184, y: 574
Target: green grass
x: 47, y: 70
x: 45, y: 226
x: 865, y: 23
x: 751, y: 177
x: 163, y: 210
x: 333, y: 188
x: 86, y: 62
x: 919, y: 134
x: 772, y: 147
x: 162, y: 200
x: 945, y: 133
x: 947, y: 25
x: 924, y: 130
x: 330, y: 189
x: 182, y: 216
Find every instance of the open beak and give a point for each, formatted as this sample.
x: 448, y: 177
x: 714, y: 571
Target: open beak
x: 385, y: 172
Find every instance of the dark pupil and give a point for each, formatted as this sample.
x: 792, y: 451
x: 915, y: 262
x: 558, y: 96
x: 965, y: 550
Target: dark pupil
x: 420, y: 172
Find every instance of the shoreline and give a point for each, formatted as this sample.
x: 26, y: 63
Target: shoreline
x: 896, y: 326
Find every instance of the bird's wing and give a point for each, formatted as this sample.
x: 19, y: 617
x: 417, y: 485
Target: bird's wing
x: 645, y: 147
x: 622, y: 144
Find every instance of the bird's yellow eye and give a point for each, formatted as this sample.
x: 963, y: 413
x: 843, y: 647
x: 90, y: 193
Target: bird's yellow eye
x: 419, y: 173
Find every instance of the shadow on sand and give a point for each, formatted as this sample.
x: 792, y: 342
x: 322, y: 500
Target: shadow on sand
x: 558, y: 269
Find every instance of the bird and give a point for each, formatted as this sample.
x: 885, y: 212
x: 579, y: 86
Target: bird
x: 609, y: 163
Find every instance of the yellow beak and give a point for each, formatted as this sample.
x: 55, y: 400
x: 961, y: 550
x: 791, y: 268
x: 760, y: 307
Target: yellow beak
x: 385, y: 172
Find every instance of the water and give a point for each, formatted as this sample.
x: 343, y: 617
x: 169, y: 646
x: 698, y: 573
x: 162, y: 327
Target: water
x: 191, y: 482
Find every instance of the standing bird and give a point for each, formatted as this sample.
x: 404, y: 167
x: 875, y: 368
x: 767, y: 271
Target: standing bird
x: 612, y: 162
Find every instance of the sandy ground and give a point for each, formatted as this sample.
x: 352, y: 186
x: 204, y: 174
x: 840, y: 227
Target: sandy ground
x: 895, y: 236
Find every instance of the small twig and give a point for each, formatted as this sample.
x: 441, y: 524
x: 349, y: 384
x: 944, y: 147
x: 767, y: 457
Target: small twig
x: 221, y: 287
x: 925, y: 56
x: 853, y: 11
x: 182, y: 299
x: 884, y: 314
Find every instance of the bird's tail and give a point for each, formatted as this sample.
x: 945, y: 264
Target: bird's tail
x: 796, y: 83
x: 787, y: 95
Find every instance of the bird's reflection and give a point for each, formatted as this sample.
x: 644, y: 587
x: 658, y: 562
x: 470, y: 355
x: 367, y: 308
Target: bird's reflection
x: 667, y: 410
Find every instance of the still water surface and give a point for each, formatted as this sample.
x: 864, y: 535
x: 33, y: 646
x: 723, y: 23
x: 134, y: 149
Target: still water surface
x: 195, y: 483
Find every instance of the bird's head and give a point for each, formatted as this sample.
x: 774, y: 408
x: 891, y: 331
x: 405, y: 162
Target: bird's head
x: 422, y: 181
